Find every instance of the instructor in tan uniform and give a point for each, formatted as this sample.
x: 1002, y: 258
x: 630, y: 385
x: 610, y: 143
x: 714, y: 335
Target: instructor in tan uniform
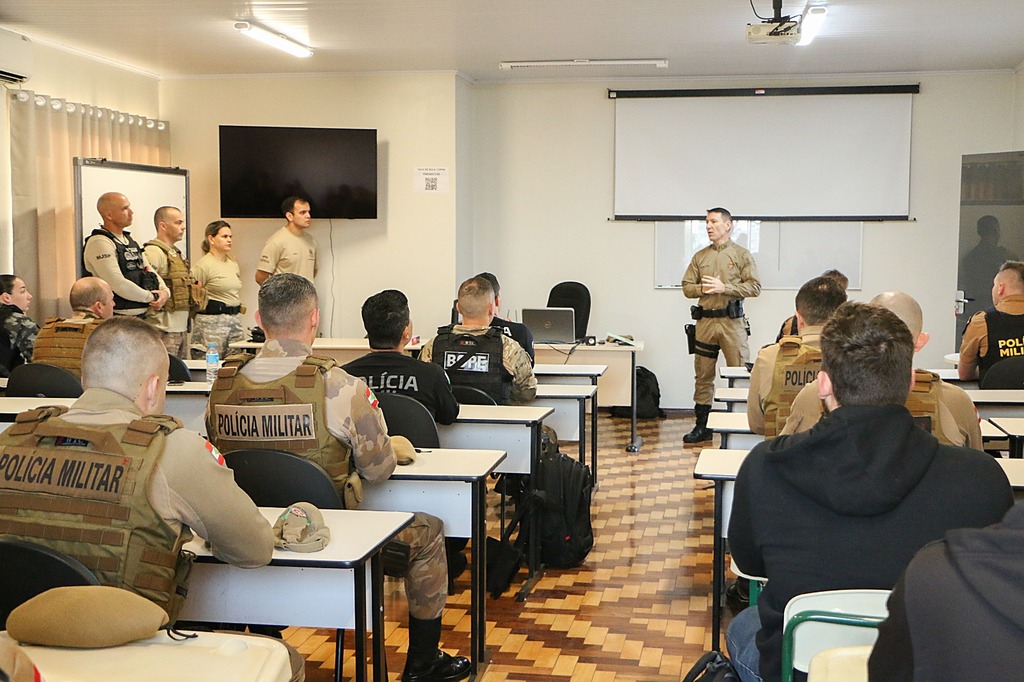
x: 720, y: 276
x: 290, y: 249
x: 955, y: 413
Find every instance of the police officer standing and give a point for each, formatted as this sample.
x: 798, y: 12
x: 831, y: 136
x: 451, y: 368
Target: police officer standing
x: 720, y: 276
x: 172, y: 319
x: 112, y: 255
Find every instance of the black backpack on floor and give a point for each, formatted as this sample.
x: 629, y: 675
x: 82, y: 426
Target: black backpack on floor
x: 648, y: 397
x: 564, y: 486
x: 712, y: 667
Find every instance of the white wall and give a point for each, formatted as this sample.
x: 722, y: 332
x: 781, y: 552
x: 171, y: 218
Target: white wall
x: 1018, y: 108
x: 411, y: 245
x: 78, y: 79
x: 543, y: 158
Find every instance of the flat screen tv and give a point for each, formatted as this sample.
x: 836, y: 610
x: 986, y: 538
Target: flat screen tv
x: 336, y: 168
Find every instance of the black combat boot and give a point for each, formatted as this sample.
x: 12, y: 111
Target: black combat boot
x: 427, y: 663
x: 700, y: 432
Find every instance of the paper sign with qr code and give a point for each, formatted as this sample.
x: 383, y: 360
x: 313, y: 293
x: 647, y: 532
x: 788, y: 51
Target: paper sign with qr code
x: 432, y: 179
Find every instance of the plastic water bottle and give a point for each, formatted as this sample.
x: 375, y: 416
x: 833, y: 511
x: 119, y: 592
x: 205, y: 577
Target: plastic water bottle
x: 212, y: 363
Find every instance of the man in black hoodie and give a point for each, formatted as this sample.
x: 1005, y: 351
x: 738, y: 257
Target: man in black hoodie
x: 958, y: 611
x: 848, y: 503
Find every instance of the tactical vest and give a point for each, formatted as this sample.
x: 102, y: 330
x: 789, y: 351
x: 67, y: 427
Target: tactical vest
x: 10, y: 357
x: 288, y: 414
x: 1005, y: 339
x: 796, y: 365
x: 178, y: 280
x: 129, y: 259
x: 60, y: 343
x: 82, y: 490
x: 474, y: 360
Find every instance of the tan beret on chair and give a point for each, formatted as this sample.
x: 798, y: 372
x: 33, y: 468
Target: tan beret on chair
x: 404, y: 450
x: 85, y: 617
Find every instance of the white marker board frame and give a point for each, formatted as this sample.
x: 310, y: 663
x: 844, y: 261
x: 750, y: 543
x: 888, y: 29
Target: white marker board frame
x: 787, y: 253
x: 147, y: 188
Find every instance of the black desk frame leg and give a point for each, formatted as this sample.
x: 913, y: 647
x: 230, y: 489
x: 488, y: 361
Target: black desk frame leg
x: 635, y: 441
x: 478, y: 560
x: 532, y: 518
x: 718, y: 571
x: 379, y: 652
x: 593, y: 438
x: 359, y: 586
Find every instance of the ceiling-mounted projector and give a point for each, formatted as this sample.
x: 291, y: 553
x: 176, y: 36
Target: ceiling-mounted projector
x: 786, y: 32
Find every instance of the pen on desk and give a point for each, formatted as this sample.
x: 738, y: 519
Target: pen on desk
x: 422, y: 450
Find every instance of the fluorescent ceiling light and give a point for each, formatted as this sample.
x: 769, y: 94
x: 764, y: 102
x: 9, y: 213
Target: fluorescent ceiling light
x: 268, y: 37
x: 811, y: 22
x: 658, y: 63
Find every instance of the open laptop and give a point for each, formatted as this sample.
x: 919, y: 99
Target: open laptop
x: 551, y: 325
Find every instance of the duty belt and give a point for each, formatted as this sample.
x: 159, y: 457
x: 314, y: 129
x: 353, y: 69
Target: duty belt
x: 717, y: 312
x: 218, y: 308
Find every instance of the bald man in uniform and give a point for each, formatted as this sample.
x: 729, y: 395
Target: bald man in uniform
x: 60, y: 341
x: 111, y: 254
x: 997, y: 333
x: 957, y: 417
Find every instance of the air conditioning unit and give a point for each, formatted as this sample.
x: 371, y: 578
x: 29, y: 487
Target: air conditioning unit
x: 15, y: 57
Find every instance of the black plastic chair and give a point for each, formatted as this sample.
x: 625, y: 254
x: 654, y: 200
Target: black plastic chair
x: 273, y: 478
x: 410, y: 418
x: 39, y: 380
x: 1008, y: 373
x: 28, y: 569
x: 576, y: 296
x: 177, y: 370
x: 471, y: 395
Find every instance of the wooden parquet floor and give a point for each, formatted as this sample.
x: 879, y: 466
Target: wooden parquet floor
x: 636, y: 610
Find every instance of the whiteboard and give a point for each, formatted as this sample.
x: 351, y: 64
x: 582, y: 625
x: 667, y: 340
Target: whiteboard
x: 787, y: 254
x: 147, y: 188
x: 810, y: 157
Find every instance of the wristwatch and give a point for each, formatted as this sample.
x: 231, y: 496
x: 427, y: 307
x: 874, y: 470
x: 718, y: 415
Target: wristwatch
x: 156, y: 295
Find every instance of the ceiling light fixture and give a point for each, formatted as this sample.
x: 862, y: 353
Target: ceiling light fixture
x: 811, y: 22
x: 268, y: 37
x: 657, y: 63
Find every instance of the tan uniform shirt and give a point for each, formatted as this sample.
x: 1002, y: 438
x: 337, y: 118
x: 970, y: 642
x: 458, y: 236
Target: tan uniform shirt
x: 100, y: 259
x: 730, y: 263
x: 958, y: 416
x: 162, y: 319
x: 352, y: 413
x: 222, y: 279
x: 763, y: 373
x: 190, y: 486
x: 975, y: 341
x: 286, y: 252
x: 515, y: 360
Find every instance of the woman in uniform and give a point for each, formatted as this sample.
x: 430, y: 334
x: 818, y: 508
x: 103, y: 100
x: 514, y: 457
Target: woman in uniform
x: 17, y: 330
x: 221, y: 321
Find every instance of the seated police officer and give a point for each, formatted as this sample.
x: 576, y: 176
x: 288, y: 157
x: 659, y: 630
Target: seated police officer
x: 331, y: 418
x: 996, y: 333
x: 475, y: 354
x: 782, y: 369
x: 130, y: 481
x: 517, y: 331
x: 60, y: 341
x: 388, y: 368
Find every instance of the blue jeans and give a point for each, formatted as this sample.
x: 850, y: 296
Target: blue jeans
x: 742, y: 646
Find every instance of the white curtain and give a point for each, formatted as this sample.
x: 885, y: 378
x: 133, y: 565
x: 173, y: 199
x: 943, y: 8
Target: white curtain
x: 47, y: 133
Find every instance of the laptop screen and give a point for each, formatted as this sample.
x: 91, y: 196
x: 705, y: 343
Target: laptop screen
x: 551, y: 325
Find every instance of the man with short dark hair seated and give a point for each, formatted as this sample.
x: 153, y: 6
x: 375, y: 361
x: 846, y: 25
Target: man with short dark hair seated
x: 848, y: 503
x: 782, y: 368
x: 331, y: 418
x: 517, y: 331
x: 997, y: 333
x: 388, y: 369
x: 475, y: 354
x: 60, y: 341
x: 790, y: 327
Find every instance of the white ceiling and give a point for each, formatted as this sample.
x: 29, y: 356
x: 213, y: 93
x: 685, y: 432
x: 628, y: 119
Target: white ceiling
x: 171, y: 38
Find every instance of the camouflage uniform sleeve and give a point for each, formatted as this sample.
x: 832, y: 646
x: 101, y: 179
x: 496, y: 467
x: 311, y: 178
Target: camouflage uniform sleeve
x: 517, y: 362
x: 354, y: 418
x: 22, y: 332
x: 427, y: 351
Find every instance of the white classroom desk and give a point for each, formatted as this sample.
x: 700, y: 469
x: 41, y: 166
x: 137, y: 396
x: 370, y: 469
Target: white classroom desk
x: 325, y: 589
x: 1013, y: 427
x: 451, y: 485
x: 210, y: 657
x: 516, y: 430
x: 344, y: 350
x: 998, y: 402
x: 617, y: 385
x: 735, y: 399
x: 952, y: 358
x: 733, y: 429
x: 571, y: 422
x: 560, y: 373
